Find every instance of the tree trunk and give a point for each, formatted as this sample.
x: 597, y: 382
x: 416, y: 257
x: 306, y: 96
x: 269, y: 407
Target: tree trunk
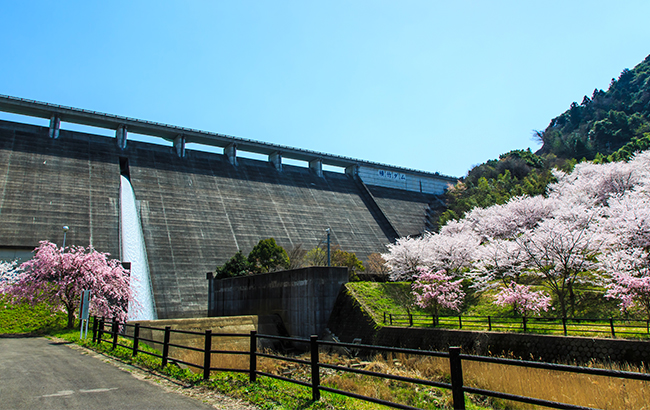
x: 572, y: 300
x: 70, y: 319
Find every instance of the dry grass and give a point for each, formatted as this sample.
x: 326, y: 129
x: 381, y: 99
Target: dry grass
x: 585, y: 390
x: 580, y: 389
x: 601, y: 392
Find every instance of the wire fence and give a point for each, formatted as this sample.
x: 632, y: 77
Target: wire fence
x: 105, y: 331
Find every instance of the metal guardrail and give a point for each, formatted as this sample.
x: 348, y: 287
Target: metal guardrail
x: 544, y: 325
x: 456, y: 385
x: 168, y: 132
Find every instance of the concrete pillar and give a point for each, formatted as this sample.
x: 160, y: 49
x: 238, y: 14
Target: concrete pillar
x: 316, y: 165
x: 352, y: 170
x: 120, y: 135
x: 55, y: 125
x: 276, y: 159
x: 179, y: 145
x: 231, y: 153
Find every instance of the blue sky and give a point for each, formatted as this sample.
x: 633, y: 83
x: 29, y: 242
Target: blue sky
x: 431, y: 85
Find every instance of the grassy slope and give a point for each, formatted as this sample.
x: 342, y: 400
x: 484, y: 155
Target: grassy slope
x: 29, y: 319
x: 389, y: 297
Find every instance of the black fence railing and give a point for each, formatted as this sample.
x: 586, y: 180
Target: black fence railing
x: 610, y: 327
x: 455, y: 358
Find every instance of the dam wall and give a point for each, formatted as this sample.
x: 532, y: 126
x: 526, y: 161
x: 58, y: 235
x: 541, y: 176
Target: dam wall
x: 197, y: 208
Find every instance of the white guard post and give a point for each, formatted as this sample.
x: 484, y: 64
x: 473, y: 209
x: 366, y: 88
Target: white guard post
x: 85, y: 314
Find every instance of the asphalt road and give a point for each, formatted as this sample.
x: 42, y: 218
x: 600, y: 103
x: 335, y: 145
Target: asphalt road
x: 37, y: 373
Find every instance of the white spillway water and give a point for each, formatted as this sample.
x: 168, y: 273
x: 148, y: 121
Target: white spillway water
x: 133, y: 250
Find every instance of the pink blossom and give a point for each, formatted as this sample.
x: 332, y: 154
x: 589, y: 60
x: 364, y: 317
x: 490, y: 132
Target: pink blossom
x: 629, y: 278
x: 433, y: 290
x: 523, y: 299
x: 59, y: 276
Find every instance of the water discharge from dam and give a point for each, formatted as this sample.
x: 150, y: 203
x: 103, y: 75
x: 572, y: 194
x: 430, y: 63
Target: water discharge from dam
x: 133, y: 250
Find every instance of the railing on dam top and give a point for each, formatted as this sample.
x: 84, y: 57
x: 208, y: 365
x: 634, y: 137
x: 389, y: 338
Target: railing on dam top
x: 169, y: 132
x: 454, y: 357
x: 609, y: 327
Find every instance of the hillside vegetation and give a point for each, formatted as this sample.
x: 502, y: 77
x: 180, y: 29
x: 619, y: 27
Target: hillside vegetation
x: 608, y: 126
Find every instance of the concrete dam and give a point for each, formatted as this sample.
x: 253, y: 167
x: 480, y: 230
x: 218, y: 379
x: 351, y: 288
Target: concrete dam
x: 196, y: 208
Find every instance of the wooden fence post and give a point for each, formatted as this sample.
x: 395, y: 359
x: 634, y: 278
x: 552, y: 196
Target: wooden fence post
x: 94, y: 329
x: 100, y: 332
x: 165, y: 352
x: 390, y: 315
x: 460, y: 322
x: 611, y: 325
x: 136, y: 339
x: 207, y: 353
x: 489, y: 324
x: 456, y: 369
x: 253, y: 357
x: 114, y: 330
x: 315, y: 370
x: 410, y: 320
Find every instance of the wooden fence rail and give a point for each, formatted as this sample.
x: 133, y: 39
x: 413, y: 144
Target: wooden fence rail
x: 607, y: 327
x: 456, y: 385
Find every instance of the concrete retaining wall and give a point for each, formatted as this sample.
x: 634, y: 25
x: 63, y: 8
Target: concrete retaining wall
x: 303, y: 298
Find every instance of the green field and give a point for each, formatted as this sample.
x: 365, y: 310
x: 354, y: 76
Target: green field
x: 388, y: 305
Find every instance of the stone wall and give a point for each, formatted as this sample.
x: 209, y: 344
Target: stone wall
x: 303, y: 298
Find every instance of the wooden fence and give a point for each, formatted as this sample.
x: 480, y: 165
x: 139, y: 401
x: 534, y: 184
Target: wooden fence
x: 458, y: 389
x: 609, y: 327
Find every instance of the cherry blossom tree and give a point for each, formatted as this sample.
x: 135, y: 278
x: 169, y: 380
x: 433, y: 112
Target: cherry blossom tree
x: 498, y: 262
x: 563, y: 251
x: 449, y: 251
x: 592, y: 227
x: 58, y: 276
x: 629, y: 279
x: 594, y: 184
x: 405, y: 256
x: 9, y: 271
x: 435, y: 289
x: 512, y: 218
x: 452, y: 253
x: 523, y: 299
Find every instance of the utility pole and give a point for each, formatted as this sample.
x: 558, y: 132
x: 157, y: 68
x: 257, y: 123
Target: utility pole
x: 65, y: 231
x: 329, y: 258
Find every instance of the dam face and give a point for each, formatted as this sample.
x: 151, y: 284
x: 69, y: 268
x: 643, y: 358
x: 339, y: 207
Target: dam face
x: 197, y: 209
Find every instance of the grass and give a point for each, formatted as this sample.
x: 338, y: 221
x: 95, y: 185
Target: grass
x: 23, y: 318
x: 388, y: 298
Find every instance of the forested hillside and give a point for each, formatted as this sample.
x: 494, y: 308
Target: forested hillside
x: 608, y: 126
